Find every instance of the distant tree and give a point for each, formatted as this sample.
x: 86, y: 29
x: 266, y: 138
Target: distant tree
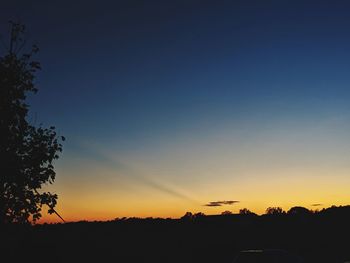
x: 199, y: 215
x: 26, y: 152
x: 187, y: 216
x: 245, y: 211
x: 299, y: 211
x: 225, y: 213
x: 274, y: 211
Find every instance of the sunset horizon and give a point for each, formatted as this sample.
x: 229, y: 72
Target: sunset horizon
x: 166, y: 107
x: 183, y: 131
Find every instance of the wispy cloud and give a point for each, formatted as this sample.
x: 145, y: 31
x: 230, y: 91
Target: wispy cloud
x: 221, y: 203
x: 316, y: 204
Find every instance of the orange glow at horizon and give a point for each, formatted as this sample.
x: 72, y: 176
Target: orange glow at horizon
x: 283, y: 167
x: 283, y: 194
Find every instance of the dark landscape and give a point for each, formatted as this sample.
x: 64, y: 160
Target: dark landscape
x: 314, y: 237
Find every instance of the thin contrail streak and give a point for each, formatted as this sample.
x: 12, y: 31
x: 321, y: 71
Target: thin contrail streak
x: 100, y: 155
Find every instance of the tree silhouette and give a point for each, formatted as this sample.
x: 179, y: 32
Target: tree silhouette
x: 245, y: 211
x: 26, y: 152
x: 299, y: 211
x: 187, y: 216
x: 199, y: 215
x: 274, y: 211
x: 226, y: 213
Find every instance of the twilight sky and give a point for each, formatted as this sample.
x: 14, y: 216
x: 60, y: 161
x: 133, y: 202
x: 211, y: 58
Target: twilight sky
x: 170, y: 105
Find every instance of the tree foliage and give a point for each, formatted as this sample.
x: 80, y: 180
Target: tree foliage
x: 246, y: 211
x: 187, y: 216
x: 299, y: 211
x: 26, y: 152
x: 274, y: 211
x: 225, y: 213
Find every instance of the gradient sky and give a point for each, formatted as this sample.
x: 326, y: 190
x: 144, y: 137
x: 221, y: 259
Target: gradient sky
x: 169, y: 105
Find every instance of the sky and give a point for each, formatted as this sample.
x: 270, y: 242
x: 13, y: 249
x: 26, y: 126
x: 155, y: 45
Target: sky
x: 170, y: 105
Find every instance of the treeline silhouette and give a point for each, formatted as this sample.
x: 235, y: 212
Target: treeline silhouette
x: 315, y: 236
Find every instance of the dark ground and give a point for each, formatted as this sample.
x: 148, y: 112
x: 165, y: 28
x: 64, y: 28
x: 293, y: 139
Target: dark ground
x: 322, y: 237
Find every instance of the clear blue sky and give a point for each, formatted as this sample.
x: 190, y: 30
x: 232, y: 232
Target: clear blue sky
x: 181, y: 99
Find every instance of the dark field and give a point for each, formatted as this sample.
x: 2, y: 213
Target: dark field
x: 322, y: 237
